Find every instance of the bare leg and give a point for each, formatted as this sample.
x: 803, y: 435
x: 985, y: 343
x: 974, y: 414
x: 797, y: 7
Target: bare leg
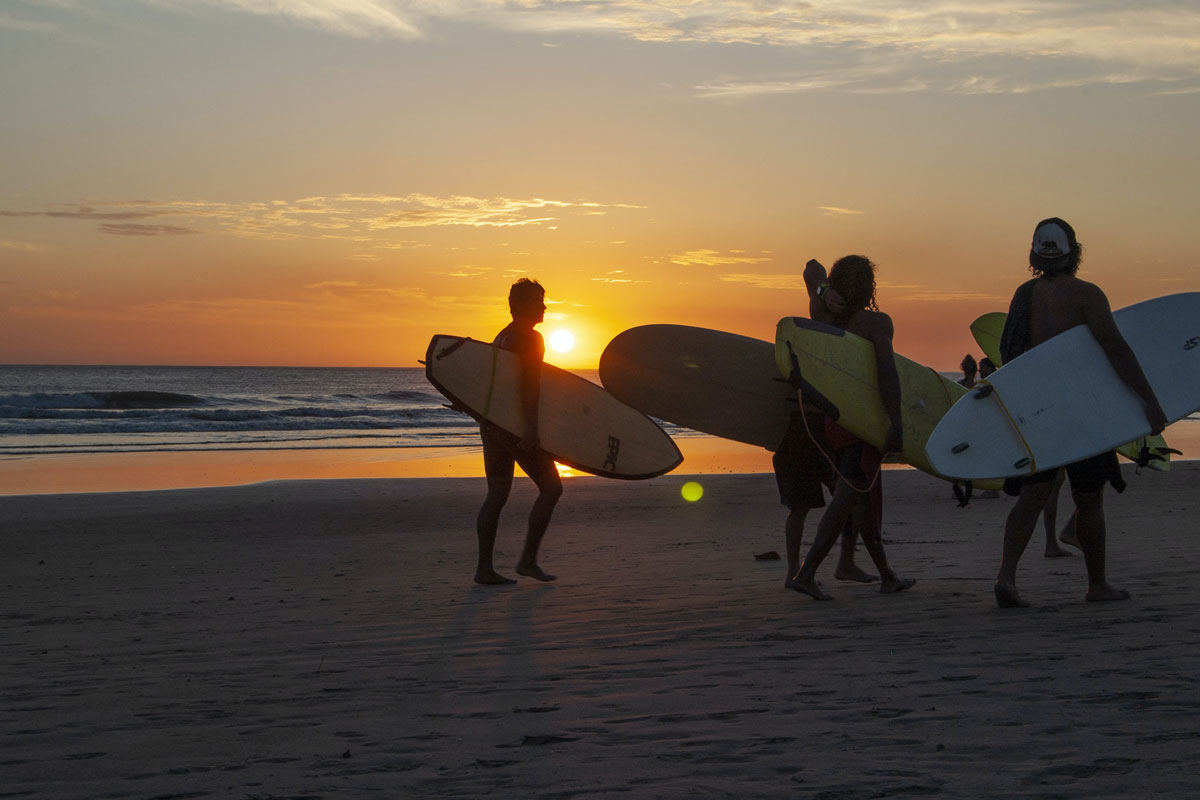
x: 873, y: 542
x: 1018, y: 529
x: 485, y: 530
x: 1050, y: 519
x: 847, y: 570
x: 1067, y: 534
x: 549, y: 484
x: 1090, y: 529
x: 832, y: 523
x: 793, y: 530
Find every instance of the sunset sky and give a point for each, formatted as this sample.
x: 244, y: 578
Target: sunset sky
x: 331, y: 182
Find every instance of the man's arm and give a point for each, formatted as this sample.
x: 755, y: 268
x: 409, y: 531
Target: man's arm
x: 823, y: 304
x: 880, y: 333
x: 1097, y: 314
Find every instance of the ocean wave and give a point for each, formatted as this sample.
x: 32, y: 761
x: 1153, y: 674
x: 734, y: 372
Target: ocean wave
x: 106, y: 400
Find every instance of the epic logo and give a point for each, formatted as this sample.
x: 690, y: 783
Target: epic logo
x: 1191, y: 343
x: 614, y: 448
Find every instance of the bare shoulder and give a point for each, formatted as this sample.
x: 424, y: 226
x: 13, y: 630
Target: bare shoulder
x: 874, y: 325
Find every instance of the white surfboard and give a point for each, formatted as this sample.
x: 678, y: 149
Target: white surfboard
x: 711, y: 381
x: 1062, y: 401
x: 579, y: 424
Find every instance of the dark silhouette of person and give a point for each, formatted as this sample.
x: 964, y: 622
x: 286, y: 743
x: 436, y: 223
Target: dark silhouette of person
x: 857, y: 494
x: 502, y: 450
x: 1053, y: 301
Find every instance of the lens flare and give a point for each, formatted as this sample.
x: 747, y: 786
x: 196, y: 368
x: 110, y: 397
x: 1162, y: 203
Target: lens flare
x: 692, y: 491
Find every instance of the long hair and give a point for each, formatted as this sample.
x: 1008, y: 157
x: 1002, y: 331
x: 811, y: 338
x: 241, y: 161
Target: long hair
x: 853, y: 277
x: 1068, y: 264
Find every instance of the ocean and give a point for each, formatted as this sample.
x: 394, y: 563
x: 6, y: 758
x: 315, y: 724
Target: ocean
x: 122, y: 409
x: 119, y: 409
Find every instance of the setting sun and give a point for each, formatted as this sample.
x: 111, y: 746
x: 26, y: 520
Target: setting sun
x: 561, y: 341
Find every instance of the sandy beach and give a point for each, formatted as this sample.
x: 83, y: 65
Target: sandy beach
x: 323, y: 639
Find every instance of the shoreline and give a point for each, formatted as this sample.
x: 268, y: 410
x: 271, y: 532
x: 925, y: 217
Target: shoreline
x: 194, y: 469
x: 126, y: 472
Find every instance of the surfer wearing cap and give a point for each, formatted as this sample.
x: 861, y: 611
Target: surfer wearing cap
x: 1053, y: 302
x: 502, y: 451
x: 849, y: 300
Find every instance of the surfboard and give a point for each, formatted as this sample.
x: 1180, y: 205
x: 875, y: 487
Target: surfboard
x: 711, y: 381
x: 579, y: 423
x: 986, y: 330
x: 1150, y: 451
x: 1042, y: 410
x: 842, y: 366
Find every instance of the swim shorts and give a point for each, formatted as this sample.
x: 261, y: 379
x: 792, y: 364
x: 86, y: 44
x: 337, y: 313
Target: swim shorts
x: 1086, y: 476
x: 800, y: 465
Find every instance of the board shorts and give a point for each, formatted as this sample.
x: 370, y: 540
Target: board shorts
x: 1086, y: 476
x: 500, y: 453
x: 800, y: 463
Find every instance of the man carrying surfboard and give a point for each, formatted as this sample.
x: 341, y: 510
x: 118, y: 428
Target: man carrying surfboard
x: 1053, y: 302
x: 502, y: 451
x: 849, y: 297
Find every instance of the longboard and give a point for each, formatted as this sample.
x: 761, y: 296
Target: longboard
x: 579, y: 423
x: 1062, y: 401
x: 1150, y: 451
x: 711, y: 381
x: 841, y: 365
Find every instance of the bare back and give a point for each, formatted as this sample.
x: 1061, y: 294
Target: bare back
x: 1061, y: 303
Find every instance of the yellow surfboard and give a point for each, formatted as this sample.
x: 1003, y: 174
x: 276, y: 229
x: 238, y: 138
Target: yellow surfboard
x: 987, y: 330
x: 841, y: 366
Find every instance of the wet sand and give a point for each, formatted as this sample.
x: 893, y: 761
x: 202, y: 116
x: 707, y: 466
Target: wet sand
x: 323, y: 639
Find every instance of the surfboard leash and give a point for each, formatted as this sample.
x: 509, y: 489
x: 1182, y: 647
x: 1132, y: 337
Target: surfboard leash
x: 823, y: 403
x: 829, y: 458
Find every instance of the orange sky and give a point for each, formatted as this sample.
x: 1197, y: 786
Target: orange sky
x: 333, y: 183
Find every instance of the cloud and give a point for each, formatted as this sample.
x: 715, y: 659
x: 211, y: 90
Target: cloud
x: 28, y: 247
x: 360, y: 18
x: 713, y: 258
x: 767, y: 281
x: 366, y: 219
x: 834, y: 211
x: 851, y: 46
x: 138, y: 229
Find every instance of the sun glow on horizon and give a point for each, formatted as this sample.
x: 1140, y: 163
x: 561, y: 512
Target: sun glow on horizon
x: 562, y: 340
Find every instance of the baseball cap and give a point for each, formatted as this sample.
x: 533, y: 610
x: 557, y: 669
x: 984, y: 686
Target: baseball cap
x: 1051, y: 241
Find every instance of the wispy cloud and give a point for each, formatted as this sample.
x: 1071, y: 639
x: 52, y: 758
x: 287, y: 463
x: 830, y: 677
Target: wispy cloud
x: 714, y: 258
x: 361, y: 218
x: 12, y: 244
x: 767, y: 281
x: 849, y: 45
x: 834, y: 211
x: 138, y: 229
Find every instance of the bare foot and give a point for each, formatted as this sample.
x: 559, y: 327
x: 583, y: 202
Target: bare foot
x: 853, y: 572
x: 534, y: 571
x: 491, y: 578
x: 1054, y: 551
x: 1106, y: 592
x: 1007, y: 597
x: 809, y: 587
x: 894, y: 583
x: 1068, y: 537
